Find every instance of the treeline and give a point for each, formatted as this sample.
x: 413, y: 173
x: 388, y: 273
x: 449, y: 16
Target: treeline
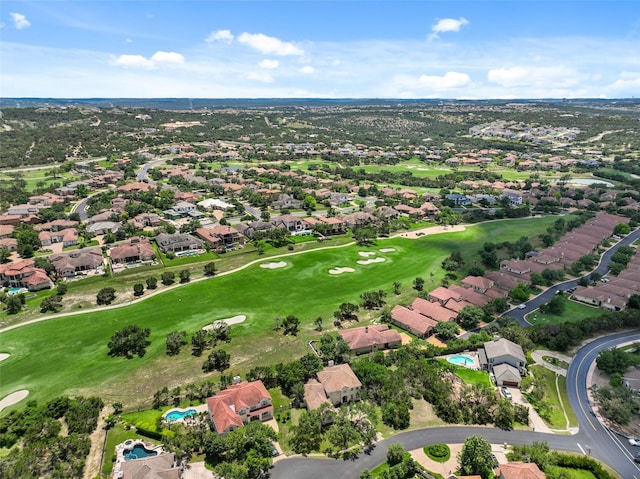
x: 38, y: 446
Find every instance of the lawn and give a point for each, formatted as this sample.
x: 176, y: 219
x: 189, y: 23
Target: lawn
x: 574, y: 311
x: 472, y: 377
x: 569, y: 473
x: 68, y: 355
x: 117, y: 435
x: 547, y: 380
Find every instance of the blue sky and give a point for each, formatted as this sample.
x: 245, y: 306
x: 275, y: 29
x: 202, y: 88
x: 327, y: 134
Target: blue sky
x: 321, y: 49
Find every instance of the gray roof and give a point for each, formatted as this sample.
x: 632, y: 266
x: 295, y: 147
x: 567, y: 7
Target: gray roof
x: 506, y: 372
x: 500, y: 347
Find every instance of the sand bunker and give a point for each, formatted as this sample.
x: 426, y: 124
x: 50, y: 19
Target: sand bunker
x: 366, y: 254
x: 369, y: 261
x: 342, y: 270
x: 432, y: 230
x: 279, y: 264
x: 13, y: 398
x: 387, y: 250
x: 229, y: 321
x: 4, y: 356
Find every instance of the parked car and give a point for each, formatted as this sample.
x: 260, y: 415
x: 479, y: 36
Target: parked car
x: 522, y: 306
x: 494, y: 461
x: 637, y: 457
x: 505, y: 392
x: 634, y: 442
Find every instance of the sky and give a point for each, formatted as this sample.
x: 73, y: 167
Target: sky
x: 320, y: 49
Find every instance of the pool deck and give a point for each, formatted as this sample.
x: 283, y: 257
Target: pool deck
x: 199, y: 408
x: 470, y: 354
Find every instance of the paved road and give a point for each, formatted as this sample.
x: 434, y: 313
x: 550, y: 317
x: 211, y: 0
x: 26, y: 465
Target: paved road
x: 142, y: 172
x: 592, y: 439
x: 546, y: 296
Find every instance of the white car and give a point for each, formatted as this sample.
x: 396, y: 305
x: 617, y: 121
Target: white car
x: 634, y: 442
x: 505, y: 392
x: 522, y: 306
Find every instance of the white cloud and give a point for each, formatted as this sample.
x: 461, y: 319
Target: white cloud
x: 167, y: 57
x: 447, y: 81
x: 307, y: 70
x: 269, y: 45
x: 447, y: 25
x: 269, y: 64
x: 519, y: 76
x: 263, y: 77
x: 139, y: 61
x: 20, y: 21
x: 224, y: 36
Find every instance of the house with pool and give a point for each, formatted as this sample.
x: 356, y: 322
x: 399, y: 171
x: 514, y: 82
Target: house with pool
x: 505, y: 360
x: 239, y: 404
x: 137, y: 459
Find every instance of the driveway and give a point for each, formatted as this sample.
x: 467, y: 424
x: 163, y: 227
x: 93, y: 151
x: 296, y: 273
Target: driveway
x: 196, y: 470
x: 535, y: 421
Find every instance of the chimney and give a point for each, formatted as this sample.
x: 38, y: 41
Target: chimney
x: 366, y: 329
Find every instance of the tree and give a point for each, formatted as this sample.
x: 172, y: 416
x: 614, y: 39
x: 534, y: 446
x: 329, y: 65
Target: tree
x: 395, y: 454
x: 5, y: 254
x: 622, y: 229
x: 14, y: 303
x: 290, y: 325
x: 152, y: 282
x: 138, y: 289
x: 27, y: 239
x: 318, y: 323
x: 634, y: 301
x: 520, y: 293
x: 218, y: 359
x: 210, y: 269
x: 446, y: 330
x: 396, y: 287
x: 167, y: 278
x: 347, y: 312
x: 364, y: 236
x: 185, y: 275
x: 128, y: 341
x: 373, y: 299
x: 475, y: 457
x: 503, y: 415
x: 199, y: 342
x: 613, y: 361
x: 555, y: 306
x: 418, y: 283
x: 52, y: 303
x: 476, y: 270
x: 175, y: 341
x: 62, y: 288
x: 470, y: 316
x: 106, y: 296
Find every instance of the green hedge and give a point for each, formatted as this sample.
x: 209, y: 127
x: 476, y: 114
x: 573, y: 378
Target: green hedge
x: 438, y: 452
x: 583, y: 462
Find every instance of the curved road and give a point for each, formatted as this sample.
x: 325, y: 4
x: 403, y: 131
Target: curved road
x: 592, y: 439
x: 546, y: 296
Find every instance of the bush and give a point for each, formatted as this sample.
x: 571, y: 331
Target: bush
x: 438, y: 452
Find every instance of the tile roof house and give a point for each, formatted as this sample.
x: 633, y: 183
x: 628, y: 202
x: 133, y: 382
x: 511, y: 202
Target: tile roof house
x: 371, y: 338
x: 340, y: 385
x: 78, y: 261
x: 172, y: 243
x: 442, y: 295
x: 136, y: 249
x: 412, y: 321
x: 24, y: 274
x: 477, y: 283
x: 434, y: 310
x: 520, y: 470
x: 239, y: 404
x: 162, y: 466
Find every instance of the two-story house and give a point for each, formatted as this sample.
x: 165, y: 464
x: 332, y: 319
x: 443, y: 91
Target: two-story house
x: 335, y: 385
x: 505, y: 359
x: 239, y: 404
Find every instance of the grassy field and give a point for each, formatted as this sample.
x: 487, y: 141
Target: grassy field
x: 69, y: 354
x: 41, y: 178
x: 573, y: 311
x: 471, y: 377
x: 547, y: 380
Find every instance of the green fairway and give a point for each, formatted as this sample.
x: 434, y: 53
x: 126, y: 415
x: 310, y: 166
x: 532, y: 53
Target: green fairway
x: 69, y: 354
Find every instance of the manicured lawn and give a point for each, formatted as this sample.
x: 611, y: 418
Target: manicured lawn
x: 471, y: 377
x: 117, y: 435
x: 547, y: 379
x: 569, y: 473
x: 69, y: 354
x: 574, y: 311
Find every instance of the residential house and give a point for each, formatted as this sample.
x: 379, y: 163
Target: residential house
x: 458, y: 200
x: 68, y: 237
x: 442, y: 295
x: 177, y: 242
x: 103, y: 227
x: 371, y: 338
x: 339, y: 383
x: 478, y: 283
x: 228, y: 235
x: 507, y: 356
x: 215, y: 204
x: 358, y: 220
x: 250, y: 229
x: 293, y: 224
x: 162, y: 466
x: 24, y: 274
x: 180, y: 210
x: 411, y: 321
x: 137, y: 249
x: 433, y: 310
x: 286, y: 201
x: 77, y: 262
x: 239, y: 404
x: 520, y: 470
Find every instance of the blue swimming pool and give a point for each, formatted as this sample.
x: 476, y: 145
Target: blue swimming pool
x: 177, y: 415
x: 461, y: 360
x: 138, y: 452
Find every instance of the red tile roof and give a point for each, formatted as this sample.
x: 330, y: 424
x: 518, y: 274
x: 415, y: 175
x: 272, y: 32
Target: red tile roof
x: 370, y: 336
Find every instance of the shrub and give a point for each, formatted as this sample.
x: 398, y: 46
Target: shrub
x: 438, y: 452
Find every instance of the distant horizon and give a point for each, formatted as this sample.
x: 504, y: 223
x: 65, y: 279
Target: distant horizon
x: 392, y: 49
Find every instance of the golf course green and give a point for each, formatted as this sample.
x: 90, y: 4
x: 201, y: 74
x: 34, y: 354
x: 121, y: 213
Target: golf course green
x: 68, y: 355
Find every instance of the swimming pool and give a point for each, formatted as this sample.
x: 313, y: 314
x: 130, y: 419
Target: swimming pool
x: 178, y: 415
x: 138, y: 452
x: 461, y: 360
